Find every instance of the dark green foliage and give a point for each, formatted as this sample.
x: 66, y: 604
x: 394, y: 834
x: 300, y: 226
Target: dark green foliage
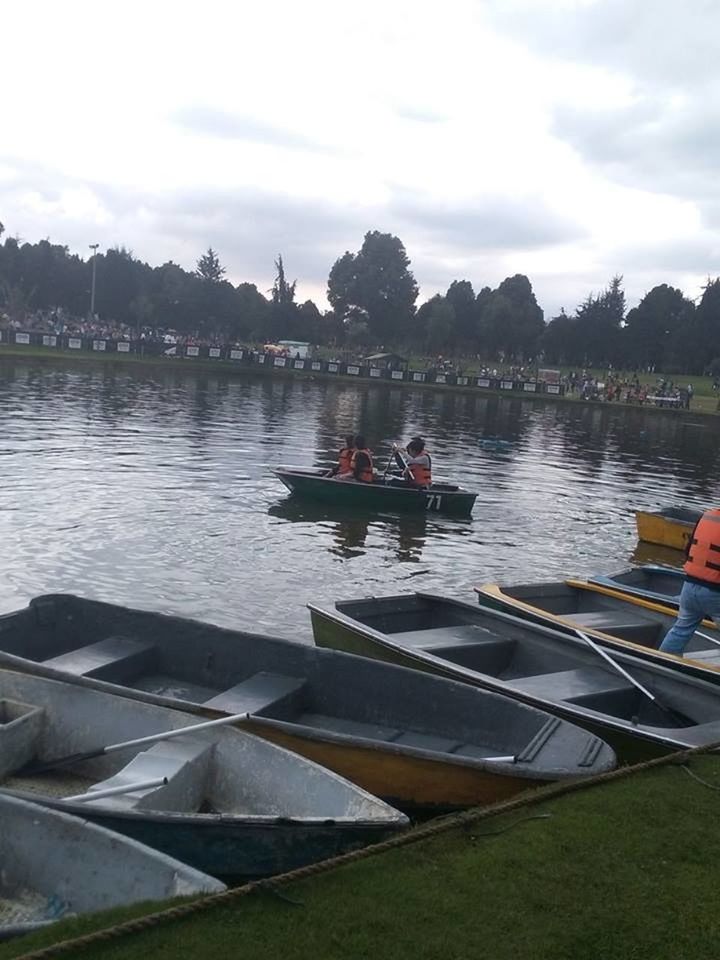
x: 656, y: 329
x: 511, y: 323
x: 436, y: 323
x: 375, y: 286
x: 209, y: 268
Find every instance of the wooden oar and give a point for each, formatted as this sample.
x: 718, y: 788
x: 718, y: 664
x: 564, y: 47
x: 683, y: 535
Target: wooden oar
x: 117, y: 791
x: 624, y: 673
x: 127, y: 744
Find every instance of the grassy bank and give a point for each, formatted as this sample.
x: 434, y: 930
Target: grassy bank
x: 623, y: 871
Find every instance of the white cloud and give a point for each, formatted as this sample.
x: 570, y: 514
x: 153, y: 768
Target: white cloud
x: 567, y: 139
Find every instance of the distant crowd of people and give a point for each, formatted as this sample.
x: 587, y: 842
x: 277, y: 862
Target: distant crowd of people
x: 627, y: 388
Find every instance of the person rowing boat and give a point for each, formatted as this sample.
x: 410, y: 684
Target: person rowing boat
x: 417, y: 466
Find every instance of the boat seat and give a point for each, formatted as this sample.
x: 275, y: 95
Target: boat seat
x: 259, y: 693
x: 574, y: 685
x: 440, y: 636
x: 607, y: 620
x: 623, y: 624
x: 114, y: 658
x: 184, y: 761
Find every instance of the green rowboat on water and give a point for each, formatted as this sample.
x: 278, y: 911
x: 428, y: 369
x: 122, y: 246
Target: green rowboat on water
x: 386, y: 493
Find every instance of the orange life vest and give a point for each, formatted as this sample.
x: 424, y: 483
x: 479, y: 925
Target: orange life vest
x: 345, y: 460
x: 421, y: 475
x: 366, y: 475
x: 703, y: 561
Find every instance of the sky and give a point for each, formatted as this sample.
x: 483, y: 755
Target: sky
x: 569, y: 140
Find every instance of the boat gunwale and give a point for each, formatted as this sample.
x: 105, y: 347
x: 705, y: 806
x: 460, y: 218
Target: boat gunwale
x: 14, y: 663
x: 494, y: 590
x: 505, y: 687
x: 309, y: 473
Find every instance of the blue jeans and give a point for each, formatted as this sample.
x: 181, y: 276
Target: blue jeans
x: 696, y: 603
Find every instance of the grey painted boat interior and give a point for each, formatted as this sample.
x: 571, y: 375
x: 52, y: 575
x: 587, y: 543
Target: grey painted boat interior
x: 538, y: 665
x: 331, y: 696
x: 54, y: 865
x: 653, y: 582
x: 218, y: 777
x: 617, y: 616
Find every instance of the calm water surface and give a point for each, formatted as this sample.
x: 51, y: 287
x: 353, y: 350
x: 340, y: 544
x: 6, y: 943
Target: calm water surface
x: 156, y: 490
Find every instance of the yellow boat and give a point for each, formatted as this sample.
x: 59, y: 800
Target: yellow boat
x: 669, y: 527
x: 613, y: 619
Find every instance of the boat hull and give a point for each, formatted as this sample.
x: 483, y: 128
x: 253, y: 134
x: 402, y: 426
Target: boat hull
x: 390, y: 496
x: 665, y: 531
x: 230, y: 849
x: 708, y: 668
x: 77, y: 868
x: 655, y: 583
x: 412, y: 783
x: 396, y: 734
x: 233, y: 805
x: 630, y: 743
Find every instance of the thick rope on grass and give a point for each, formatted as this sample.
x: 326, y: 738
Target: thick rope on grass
x: 415, y: 835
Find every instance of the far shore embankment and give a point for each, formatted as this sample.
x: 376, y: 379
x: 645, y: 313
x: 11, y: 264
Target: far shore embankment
x: 241, y: 362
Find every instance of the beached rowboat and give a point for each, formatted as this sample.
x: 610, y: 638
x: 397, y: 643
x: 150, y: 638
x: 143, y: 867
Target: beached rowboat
x: 220, y: 799
x: 534, y: 664
x: 384, y: 494
x: 414, y: 739
x: 55, y: 865
x: 669, y: 527
x: 616, y: 620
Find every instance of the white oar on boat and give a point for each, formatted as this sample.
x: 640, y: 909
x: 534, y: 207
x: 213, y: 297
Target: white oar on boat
x: 624, y: 673
x: 139, y: 742
x: 117, y: 791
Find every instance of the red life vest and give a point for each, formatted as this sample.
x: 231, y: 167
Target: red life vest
x: 345, y: 460
x: 421, y: 474
x: 366, y: 475
x: 703, y: 561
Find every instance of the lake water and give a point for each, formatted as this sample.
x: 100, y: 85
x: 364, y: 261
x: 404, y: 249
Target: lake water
x: 155, y: 489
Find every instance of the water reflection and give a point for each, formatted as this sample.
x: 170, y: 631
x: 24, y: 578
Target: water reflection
x: 154, y: 488
x: 654, y: 553
x: 347, y: 530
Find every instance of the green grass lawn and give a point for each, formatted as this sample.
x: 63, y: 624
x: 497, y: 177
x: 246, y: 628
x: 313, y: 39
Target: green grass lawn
x: 624, y: 871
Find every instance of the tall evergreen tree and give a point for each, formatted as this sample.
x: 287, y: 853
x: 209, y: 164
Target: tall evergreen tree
x: 209, y: 267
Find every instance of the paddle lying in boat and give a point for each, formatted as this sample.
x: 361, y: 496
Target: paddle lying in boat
x: 675, y: 718
x: 409, y: 737
x: 653, y: 582
x: 55, y: 865
x: 129, y: 744
x: 225, y: 801
x: 385, y: 493
x: 555, y: 671
x: 614, y: 620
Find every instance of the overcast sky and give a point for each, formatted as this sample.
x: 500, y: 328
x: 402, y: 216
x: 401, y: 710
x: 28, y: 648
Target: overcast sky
x: 565, y: 139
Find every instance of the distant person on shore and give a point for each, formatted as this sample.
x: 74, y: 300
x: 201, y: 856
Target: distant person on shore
x: 417, y: 466
x: 700, y: 594
x: 344, y: 464
x: 361, y: 463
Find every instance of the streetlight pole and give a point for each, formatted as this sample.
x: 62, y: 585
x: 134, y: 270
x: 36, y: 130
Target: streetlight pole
x: 93, y: 247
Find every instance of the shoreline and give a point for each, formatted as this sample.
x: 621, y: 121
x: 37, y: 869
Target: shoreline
x: 235, y: 368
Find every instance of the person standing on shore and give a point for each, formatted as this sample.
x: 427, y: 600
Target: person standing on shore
x: 700, y: 594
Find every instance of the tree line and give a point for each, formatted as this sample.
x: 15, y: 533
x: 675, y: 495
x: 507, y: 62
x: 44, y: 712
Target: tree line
x: 373, y: 298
